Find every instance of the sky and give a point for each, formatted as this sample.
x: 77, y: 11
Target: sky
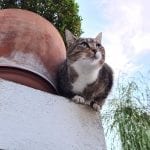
x: 126, y: 32
x: 125, y: 25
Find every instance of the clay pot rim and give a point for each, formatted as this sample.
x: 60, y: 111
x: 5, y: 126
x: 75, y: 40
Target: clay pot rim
x: 27, y: 70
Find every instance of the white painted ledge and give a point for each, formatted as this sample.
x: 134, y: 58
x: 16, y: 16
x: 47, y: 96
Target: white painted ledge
x: 34, y: 120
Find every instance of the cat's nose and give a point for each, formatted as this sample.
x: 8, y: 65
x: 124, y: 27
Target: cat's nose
x: 94, y: 50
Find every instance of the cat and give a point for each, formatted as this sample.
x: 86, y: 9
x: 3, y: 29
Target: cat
x: 84, y: 76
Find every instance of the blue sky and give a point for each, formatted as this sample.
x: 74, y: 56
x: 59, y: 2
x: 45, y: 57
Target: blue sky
x: 125, y: 25
x: 126, y: 31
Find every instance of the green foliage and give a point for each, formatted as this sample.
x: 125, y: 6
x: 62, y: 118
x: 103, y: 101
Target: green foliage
x: 129, y: 114
x: 62, y: 13
x: 133, y: 128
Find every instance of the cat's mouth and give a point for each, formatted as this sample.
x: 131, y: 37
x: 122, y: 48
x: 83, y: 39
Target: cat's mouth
x: 93, y: 58
x: 97, y: 56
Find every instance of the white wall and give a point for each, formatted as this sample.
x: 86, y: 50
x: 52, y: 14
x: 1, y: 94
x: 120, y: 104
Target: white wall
x: 34, y: 120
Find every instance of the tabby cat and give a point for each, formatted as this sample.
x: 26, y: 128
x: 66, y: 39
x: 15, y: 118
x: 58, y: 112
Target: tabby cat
x: 84, y: 77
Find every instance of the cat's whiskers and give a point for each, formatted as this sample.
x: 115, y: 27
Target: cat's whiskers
x: 93, y: 60
x: 98, y: 56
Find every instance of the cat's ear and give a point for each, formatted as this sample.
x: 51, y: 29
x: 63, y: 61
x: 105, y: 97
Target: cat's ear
x: 70, y: 38
x: 99, y: 37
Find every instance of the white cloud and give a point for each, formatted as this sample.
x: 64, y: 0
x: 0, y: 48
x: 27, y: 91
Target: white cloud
x: 126, y: 34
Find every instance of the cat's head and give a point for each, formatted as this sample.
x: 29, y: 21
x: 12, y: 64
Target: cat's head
x: 85, y: 49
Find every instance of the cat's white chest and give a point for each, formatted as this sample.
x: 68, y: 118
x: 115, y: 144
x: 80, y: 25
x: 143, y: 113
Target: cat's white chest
x: 81, y: 83
x: 86, y: 75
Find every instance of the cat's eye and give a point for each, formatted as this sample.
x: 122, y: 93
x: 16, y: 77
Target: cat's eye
x: 84, y: 44
x: 98, y: 45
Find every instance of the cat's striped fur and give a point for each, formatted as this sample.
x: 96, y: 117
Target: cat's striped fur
x: 84, y: 76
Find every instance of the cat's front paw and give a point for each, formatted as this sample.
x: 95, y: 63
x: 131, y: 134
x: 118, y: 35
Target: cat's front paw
x: 78, y: 99
x: 95, y: 106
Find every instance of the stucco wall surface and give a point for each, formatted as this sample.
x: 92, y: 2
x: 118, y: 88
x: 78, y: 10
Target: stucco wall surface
x: 35, y: 120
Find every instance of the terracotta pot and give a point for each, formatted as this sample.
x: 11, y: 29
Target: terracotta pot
x: 31, y: 49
